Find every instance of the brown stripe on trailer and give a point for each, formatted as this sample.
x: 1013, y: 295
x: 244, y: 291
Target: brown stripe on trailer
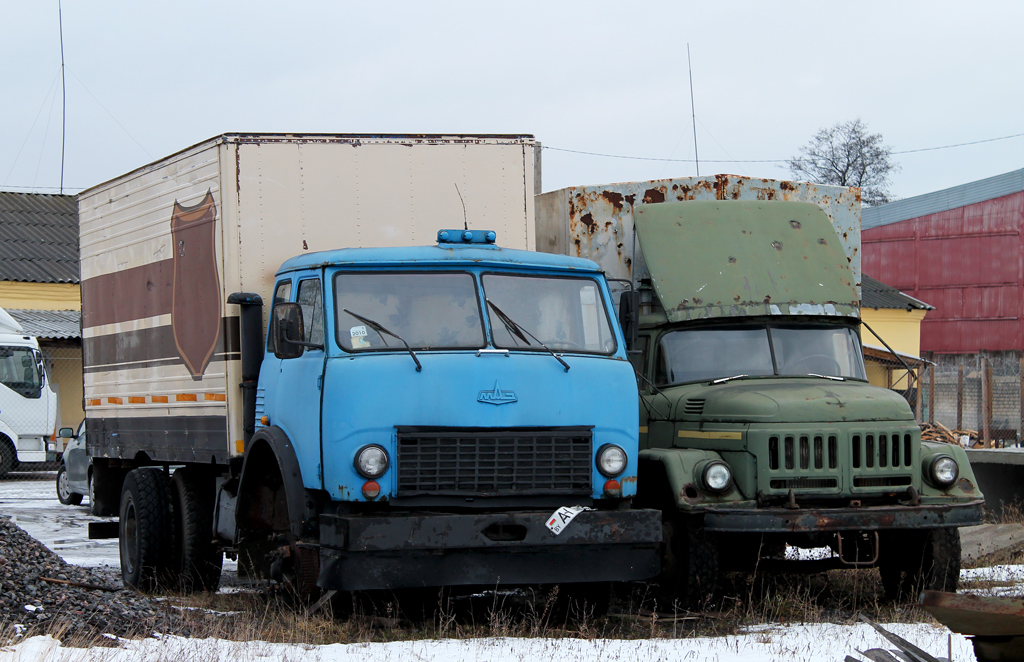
x: 152, y: 347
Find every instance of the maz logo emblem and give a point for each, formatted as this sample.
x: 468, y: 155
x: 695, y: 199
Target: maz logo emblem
x: 496, y: 396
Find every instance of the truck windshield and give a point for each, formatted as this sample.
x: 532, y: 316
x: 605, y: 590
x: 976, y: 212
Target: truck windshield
x: 20, y: 371
x: 428, y: 310
x: 691, y: 355
x: 562, y: 313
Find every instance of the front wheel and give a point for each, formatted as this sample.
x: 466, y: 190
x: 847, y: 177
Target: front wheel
x: 689, y: 573
x: 146, y: 532
x: 64, y: 493
x: 915, y: 561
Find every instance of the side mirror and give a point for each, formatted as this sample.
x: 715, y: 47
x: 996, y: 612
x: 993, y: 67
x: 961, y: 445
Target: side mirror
x: 629, y: 316
x: 287, y: 330
x: 66, y: 433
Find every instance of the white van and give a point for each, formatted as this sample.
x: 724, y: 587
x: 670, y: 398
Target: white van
x: 28, y: 407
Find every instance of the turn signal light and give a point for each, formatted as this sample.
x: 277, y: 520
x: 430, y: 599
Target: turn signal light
x: 371, y: 489
x: 612, y: 489
x: 264, y: 420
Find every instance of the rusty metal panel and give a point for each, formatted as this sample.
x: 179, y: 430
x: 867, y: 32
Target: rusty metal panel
x: 964, y: 261
x: 596, y: 222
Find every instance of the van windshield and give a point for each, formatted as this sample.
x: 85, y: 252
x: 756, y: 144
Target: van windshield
x: 433, y: 310
x: 691, y: 355
x: 20, y: 371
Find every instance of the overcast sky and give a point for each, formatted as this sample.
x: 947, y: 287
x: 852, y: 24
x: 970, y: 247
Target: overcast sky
x: 147, y: 79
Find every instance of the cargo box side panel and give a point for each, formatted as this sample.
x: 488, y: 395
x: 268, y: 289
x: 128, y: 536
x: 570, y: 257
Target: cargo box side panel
x: 301, y: 195
x: 155, y: 336
x: 599, y: 219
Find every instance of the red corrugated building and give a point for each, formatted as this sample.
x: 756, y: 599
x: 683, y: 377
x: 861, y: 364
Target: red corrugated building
x: 961, y: 250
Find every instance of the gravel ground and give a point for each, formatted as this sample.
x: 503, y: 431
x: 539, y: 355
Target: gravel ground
x: 29, y: 603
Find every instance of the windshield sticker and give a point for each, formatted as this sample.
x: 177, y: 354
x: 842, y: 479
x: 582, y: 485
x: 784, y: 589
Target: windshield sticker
x: 358, y: 334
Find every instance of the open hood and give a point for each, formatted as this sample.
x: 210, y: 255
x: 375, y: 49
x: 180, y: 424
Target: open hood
x: 740, y: 258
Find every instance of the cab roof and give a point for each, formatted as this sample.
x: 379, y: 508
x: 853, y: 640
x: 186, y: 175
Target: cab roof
x: 451, y: 255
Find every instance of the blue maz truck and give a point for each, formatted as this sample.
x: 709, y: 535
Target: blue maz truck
x: 353, y: 418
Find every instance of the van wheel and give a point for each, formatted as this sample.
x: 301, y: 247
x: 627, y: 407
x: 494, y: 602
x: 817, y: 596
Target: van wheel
x: 145, y: 532
x: 915, y: 561
x: 8, y: 457
x: 64, y: 493
x: 197, y: 560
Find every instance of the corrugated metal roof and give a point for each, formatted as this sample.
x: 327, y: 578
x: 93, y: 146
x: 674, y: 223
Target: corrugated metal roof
x: 876, y: 294
x: 53, y: 324
x: 38, y: 238
x: 938, y: 201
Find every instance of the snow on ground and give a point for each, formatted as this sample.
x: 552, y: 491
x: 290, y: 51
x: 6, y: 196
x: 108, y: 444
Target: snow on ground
x: 31, y: 501
x: 798, y: 642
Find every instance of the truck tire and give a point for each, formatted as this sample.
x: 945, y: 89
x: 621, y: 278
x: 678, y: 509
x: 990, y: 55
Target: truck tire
x: 915, y: 561
x: 145, y: 532
x: 197, y: 560
x: 105, y: 485
x: 689, y: 575
x: 64, y: 493
x: 8, y: 456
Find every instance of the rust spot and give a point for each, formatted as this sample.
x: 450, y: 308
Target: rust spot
x: 787, y: 186
x: 653, y: 195
x: 823, y: 242
x: 628, y: 479
x: 767, y: 298
x: 732, y: 260
x: 736, y: 298
x: 965, y: 485
x: 615, y: 199
x: 631, y: 198
x: 795, y: 224
x: 588, y: 220
x: 777, y: 245
x: 607, y: 224
x: 697, y: 301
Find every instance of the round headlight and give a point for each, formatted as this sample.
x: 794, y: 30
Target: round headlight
x: 944, y: 470
x: 611, y: 460
x: 716, y: 477
x: 372, y: 461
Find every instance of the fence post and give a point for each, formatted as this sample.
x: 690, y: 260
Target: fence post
x: 986, y: 403
x: 960, y: 396
x: 1020, y: 374
x: 920, y: 382
x: 931, y: 394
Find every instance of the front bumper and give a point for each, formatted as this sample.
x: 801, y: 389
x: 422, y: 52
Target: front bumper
x: 486, y: 549
x: 870, y: 518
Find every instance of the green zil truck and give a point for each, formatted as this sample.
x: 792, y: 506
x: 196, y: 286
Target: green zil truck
x: 759, y: 430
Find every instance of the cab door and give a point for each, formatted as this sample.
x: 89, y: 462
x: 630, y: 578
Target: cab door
x: 297, y: 394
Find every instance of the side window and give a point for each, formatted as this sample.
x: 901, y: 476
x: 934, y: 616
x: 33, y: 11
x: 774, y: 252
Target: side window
x: 312, y: 310
x: 282, y: 293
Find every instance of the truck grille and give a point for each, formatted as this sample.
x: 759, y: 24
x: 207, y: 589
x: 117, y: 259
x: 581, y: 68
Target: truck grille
x: 485, y: 462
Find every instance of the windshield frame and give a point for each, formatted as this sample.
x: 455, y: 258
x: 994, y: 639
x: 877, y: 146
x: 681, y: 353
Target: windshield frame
x: 493, y: 322
x: 337, y: 309
x: 767, y: 326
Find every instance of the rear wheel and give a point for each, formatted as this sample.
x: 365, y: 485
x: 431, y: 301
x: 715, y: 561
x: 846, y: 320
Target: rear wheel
x: 197, y: 560
x: 64, y: 493
x: 146, y: 533
x: 915, y: 561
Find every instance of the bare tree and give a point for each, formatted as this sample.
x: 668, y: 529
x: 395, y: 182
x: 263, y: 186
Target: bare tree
x: 846, y: 154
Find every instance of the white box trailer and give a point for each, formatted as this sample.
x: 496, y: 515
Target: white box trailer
x: 160, y: 344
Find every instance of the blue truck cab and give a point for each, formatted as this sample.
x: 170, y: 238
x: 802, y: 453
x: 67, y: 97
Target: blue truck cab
x: 428, y: 416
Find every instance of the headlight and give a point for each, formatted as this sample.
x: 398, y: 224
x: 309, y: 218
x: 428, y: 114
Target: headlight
x: 716, y: 477
x: 943, y: 470
x: 372, y: 461
x: 611, y: 460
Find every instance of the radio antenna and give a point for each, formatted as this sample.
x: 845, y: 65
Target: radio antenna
x: 465, y: 218
x: 63, y: 97
x: 693, y: 113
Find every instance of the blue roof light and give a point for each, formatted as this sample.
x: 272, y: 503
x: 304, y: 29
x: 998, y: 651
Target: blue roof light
x: 466, y: 236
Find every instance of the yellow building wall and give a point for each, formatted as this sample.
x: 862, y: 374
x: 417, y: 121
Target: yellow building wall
x: 901, y: 329
x: 40, y: 296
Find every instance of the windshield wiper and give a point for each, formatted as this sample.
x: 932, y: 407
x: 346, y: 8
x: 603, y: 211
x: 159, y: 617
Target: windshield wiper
x: 518, y: 331
x: 832, y: 377
x: 381, y: 330
x: 722, y: 380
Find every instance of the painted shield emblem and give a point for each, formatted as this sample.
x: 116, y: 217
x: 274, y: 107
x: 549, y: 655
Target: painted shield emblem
x: 195, y: 310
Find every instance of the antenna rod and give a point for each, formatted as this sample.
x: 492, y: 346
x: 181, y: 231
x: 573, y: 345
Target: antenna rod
x: 465, y: 218
x: 63, y: 97
x: 696, y: 159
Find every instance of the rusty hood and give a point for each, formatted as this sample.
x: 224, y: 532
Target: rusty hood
x: 741, y: 258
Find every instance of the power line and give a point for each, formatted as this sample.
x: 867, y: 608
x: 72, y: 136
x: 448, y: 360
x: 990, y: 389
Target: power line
x: 655, y: 158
